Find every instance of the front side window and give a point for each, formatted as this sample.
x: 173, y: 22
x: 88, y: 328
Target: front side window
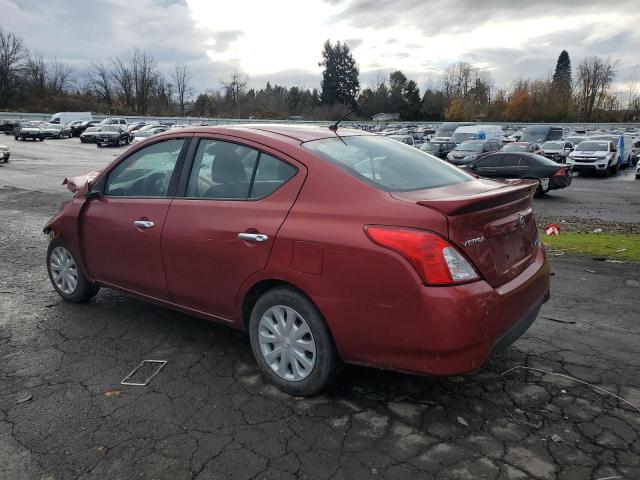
x: 147, y: 172
x: 386, y: 164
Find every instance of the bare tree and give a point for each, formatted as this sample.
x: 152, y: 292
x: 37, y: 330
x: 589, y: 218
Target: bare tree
x: 123, y: 81
x: 631, y: 84
x: 235, y: 88
x: 182, y: 81
x: 59, y: 77
x: 595, y: 76
x: 12, y: 56
x: 36, y: 74
x: 145, y: 75
x: 100, y: 83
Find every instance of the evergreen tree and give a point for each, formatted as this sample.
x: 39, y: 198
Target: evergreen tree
x: 340, y: 76
x: 397, y: 84
x: 562, y: 74
x: 411, y: 109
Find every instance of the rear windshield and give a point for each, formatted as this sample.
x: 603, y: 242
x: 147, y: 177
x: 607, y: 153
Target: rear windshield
x: 553, y: 145
x: 510, y: 147
x: 386, y: 164
x: 471, y: 146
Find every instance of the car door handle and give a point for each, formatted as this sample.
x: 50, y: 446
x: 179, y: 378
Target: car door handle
x: 143, y: 224
x: 253, y: 237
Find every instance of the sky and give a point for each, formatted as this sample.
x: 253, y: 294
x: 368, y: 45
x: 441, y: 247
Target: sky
x: 281, y: 40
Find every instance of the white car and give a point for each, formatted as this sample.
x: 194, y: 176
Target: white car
x: 4, y: 153
x: 599, y: 156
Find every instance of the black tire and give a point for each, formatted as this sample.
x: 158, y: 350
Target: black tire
x: 327, y: 362
x: 84, y: 290
x: 98, y: 145
x: 613, y: 169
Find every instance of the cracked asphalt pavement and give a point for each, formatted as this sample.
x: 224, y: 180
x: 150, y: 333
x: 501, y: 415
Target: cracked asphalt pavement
x: 210, y: 414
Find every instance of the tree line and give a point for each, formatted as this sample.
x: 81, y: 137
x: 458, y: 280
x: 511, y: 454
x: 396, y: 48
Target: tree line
x: 133, y: 83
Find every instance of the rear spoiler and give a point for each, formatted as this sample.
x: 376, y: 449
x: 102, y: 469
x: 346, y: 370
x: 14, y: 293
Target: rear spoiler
x: 515, y: 190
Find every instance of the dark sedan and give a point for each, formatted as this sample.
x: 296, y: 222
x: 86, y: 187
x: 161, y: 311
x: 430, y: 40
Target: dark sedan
x: 89, y: 135
x: 549, y: 174
x: 438, y: 149
x: 113, y: 135
x: 78, y: 127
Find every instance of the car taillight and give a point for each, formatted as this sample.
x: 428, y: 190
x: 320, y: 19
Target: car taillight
x: 435, y: 259
x: 560, y: 173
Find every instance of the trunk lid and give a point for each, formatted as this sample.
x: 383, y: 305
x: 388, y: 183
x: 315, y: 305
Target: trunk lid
x: 491, y: 222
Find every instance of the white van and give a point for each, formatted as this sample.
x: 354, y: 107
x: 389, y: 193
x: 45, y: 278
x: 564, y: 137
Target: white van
x: 477, y: 132
x: 63, y: 118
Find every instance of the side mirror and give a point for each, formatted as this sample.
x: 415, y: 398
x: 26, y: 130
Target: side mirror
x: 92, y: 194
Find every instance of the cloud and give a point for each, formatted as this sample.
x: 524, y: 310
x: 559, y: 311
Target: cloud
x: 510, y: 38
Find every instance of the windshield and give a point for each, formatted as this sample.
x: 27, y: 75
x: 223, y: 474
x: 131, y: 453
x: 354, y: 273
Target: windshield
x: 143, y: 133
x: 470, y: 146
x: 92, y: 129
x: 446, y: 129
x: 553, y: 146
x: 514, y: 148
x: 430, y: 147
x: 386, y: 164
x: 111, y: 128
x: 592, y: 147
x: 461, y: 137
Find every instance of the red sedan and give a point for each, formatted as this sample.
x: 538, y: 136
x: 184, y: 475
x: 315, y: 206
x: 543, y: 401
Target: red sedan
x: 326, y: 247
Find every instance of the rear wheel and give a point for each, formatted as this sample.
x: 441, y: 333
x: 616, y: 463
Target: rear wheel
x: 65, y: 274
x: 292, y: 343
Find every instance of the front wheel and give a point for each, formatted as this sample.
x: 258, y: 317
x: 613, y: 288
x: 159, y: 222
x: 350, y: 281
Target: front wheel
x: 65, y: 274
x: 292, y: 343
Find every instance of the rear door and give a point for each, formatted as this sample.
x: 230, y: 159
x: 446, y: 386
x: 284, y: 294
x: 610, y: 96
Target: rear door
x: 121, y: 229
x: 233, y: 199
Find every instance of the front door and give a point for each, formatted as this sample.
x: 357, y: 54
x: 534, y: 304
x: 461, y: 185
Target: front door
x: 121, y: 229
x: 222, y: 229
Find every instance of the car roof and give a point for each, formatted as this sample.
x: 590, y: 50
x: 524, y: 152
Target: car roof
x: 283, y: 132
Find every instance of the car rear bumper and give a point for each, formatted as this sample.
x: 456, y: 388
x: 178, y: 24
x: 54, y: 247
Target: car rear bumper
x: 560, y: 182
x: 442, y: 330
x: 108, y: 141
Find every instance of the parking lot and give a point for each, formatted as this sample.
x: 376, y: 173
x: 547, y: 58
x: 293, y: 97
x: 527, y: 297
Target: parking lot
x: 210, y: 414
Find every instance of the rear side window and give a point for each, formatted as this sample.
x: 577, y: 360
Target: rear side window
x: 221, y: 170
x: 224, y: 170
x: 270, y: 175
x: 387, y: 164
